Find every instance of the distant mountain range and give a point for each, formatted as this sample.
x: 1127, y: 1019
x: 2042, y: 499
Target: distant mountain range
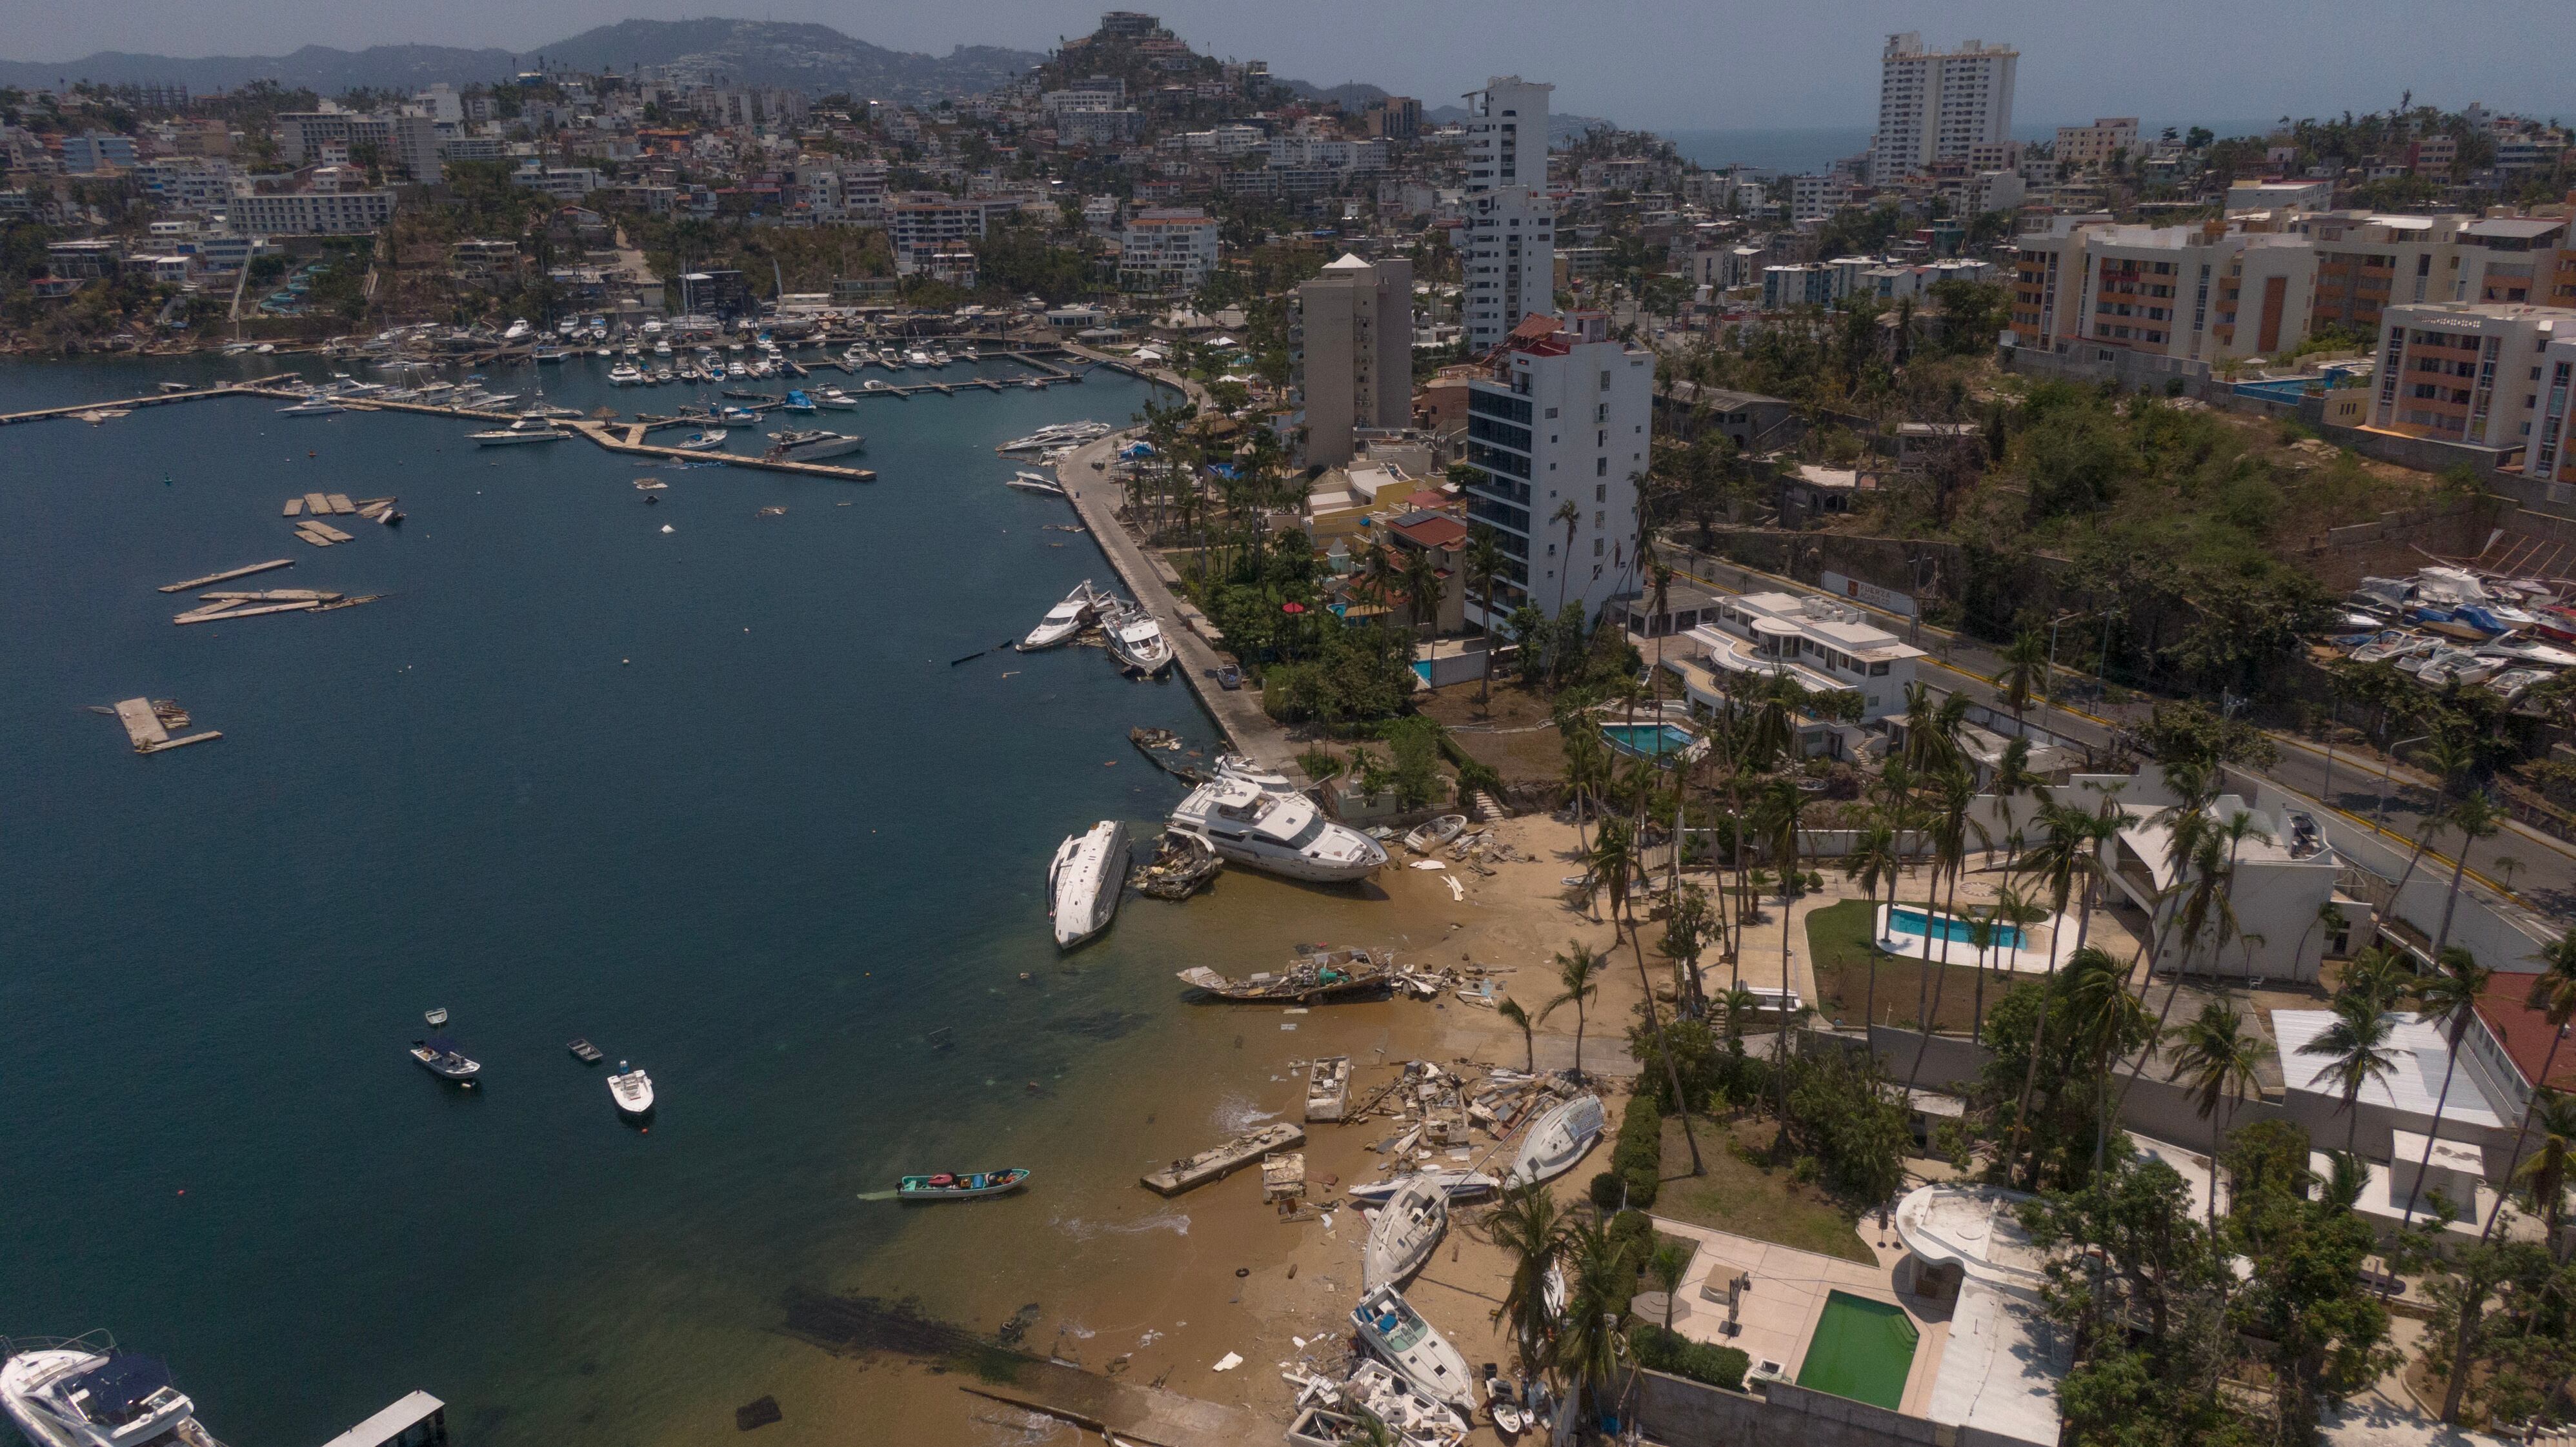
x: 815, y: 58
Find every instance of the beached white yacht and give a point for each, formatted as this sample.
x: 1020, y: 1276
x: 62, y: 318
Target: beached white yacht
x: 1407, y: 1227
x: 1085, y: 881
x: 1064, y: 620
x: 85, y: 1393
x: 518, y: 332
x: 1268, y: 781
x: 1136, y: 640
x: 1420, y: 1355
x: 1285, y: 835
x: 1557, y: 1140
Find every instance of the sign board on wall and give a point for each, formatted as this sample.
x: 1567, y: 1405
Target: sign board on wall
x: 1869, y: 593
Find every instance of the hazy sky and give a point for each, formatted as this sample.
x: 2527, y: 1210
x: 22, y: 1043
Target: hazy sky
x: 1664, y: 64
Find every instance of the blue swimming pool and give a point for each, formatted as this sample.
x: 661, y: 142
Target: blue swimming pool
x: 1647, y: 741
x: 1950, y: 927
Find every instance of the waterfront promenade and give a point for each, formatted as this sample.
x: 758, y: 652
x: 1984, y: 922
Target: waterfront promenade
x: 1094, y: 493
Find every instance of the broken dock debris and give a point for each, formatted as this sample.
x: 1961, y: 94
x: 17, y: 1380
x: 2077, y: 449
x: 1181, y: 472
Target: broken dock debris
x: 1219, y: 1161
x: 212, y: 579
x: 148, y: 722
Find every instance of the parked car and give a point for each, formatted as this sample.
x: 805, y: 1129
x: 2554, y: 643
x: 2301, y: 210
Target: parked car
x: 1229, y: 678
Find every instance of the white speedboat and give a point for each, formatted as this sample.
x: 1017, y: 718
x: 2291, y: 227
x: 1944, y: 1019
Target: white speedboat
x: 1136, y: 640
x: 706, y: 441
x: 526, y: 429
x: 812, y: 446
x: 632, y: 1089
x: 835, y: 399
x: 1282, y: 834
x: 1064, y: 620
x: 1557, y: 1140
x: 84, y: 1392
x: 1420, y: 1355
x: 316, y: 405
x: 1085, y: 882
x: 1407, y: 1227
x: 518, y: 332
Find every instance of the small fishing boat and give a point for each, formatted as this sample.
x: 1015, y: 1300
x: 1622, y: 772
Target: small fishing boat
x: 632, y: 1089
x: 961, y: 1185
x: 1558, y: 1140
x: 1459, y: 1185
x: 706, y: 441
x: 435, y: 1016
x: 1401, y: 1239
x: 1420, y: 1355
x: 584, y: 1051
x: 440, y: 1057
x: 1432, y: 835
x: 1064, y: 620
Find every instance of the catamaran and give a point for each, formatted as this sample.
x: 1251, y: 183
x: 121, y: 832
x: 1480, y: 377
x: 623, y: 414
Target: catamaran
x: 1064, y: 620
x: 84, y: 1392
x: 1085, y: 881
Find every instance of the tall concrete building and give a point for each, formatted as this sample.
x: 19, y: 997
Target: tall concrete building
x: 1939, y: 105
x: 1509, y: 258
x: 1558, y: 438
x: 1350, y: 352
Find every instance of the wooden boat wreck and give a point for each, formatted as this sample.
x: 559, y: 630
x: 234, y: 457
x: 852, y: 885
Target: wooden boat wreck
x: 1183, y: 864
x: 1164, y: 747
x: 1222, y: 1160
x: 1323, y: 975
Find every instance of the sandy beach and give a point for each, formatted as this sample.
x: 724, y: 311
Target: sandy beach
x: 1089, y: 1267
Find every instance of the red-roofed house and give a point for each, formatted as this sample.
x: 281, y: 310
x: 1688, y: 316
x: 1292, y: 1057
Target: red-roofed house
x: 2514, y: 1045
x: 1444, y: 539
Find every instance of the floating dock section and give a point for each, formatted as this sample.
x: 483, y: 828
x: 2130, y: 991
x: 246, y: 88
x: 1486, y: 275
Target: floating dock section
x: 143, y: 726
x: 1218, y: 1162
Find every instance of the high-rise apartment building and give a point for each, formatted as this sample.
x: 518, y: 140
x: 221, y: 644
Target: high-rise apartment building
x: 1939, y: 105
x: 2476, y: 373
x: 1558, y: 439
x: 1509, y: 258
x: 1350, y: 352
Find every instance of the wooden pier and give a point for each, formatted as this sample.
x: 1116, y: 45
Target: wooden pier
x: 1217, y: 1162
x: 143, y: 727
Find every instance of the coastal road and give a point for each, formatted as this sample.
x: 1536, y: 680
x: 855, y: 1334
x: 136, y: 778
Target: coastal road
x: 2541, y: 868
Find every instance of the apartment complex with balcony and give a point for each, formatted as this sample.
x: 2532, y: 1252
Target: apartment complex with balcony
x: 1823, y: 646
x: 2090, y: 289
x: 2476, y: 373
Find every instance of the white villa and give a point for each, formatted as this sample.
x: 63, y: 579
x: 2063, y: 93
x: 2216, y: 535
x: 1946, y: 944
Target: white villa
x: 1824, y: 645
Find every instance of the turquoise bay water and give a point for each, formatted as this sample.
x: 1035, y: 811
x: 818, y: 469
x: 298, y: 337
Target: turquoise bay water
x: 1949, y: 927
x: 714, y: 799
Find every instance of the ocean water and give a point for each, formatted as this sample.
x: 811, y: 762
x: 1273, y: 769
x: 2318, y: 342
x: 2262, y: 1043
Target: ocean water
x: 713, y: 798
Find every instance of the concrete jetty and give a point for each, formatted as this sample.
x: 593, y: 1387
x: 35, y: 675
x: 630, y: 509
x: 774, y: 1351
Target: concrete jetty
x: 211, y: 579
x: 1219, y: 1161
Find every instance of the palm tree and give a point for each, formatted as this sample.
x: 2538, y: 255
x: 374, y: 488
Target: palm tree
x: 1872, y: 860
x: 1572, y: 516
x: 1526, y: 1225
x: 1600, y: 1273
x: 1612, y: 862
x: 2553, y: 993
x: 2220, y: 1058
x: 1510, y: 1009
x: 1954, y: 796
x: 2450, y: 996
x: 1424, y: 590
x: 2011, y: 910
x: 2355, y: 1049
x: 2012, y: 779
x: 1740, y: 1005
x: 2025, y: 674
x: 2545, y: 1174
x: 1665, y: 1266
x: 1484, y: 564
x: 1577, y: 973
x: 2477, y: 817
x: 2073, y: 848
x: 2102, y: 1017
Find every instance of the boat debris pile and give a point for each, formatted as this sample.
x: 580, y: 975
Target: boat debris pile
x: 149, y: 721
x: 1182, y: 866
x: 1316, y: 976
x: 2448, y: 625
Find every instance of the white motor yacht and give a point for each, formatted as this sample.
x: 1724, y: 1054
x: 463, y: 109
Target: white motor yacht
x: 317, y: 404
x: 1420, y: 1355
x: 812, y: 446
x: 1406, y: 1229
x: 1286, y: 836
x: 526, y: 429
x: 625, y: 374
x: 705, y: 441
x: 518, y: 332
x: 1268, y: 781
x: 834, y: 399
x: 917, y: 357
x: 1064, y: 620
x: 1085, y: 882
x: 632, y: 1089
x: 1557, y: 1141
x: 1136, y: 640
x: 85, y: 1393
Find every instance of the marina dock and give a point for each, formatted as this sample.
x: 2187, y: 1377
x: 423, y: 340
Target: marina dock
x: 1219, y: 1161
x: 211, y: 579
x: 143, y: 727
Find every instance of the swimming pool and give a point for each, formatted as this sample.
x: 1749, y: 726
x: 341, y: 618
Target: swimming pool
x: 1647, y: 741
x: 1950, y: 927
x: 1862, y: 1349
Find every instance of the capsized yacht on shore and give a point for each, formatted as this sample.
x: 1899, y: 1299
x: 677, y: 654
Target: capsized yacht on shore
x: 1281, y: 834
x: 83, y: 1392
x: 1557, y: 1140
x: 1085, y: 881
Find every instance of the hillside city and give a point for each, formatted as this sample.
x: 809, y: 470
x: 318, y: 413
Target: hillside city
x: 2059, y: 654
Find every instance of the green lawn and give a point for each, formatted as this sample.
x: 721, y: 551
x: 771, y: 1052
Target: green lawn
x: 1838, y: 941
x: 1747, y: 1199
